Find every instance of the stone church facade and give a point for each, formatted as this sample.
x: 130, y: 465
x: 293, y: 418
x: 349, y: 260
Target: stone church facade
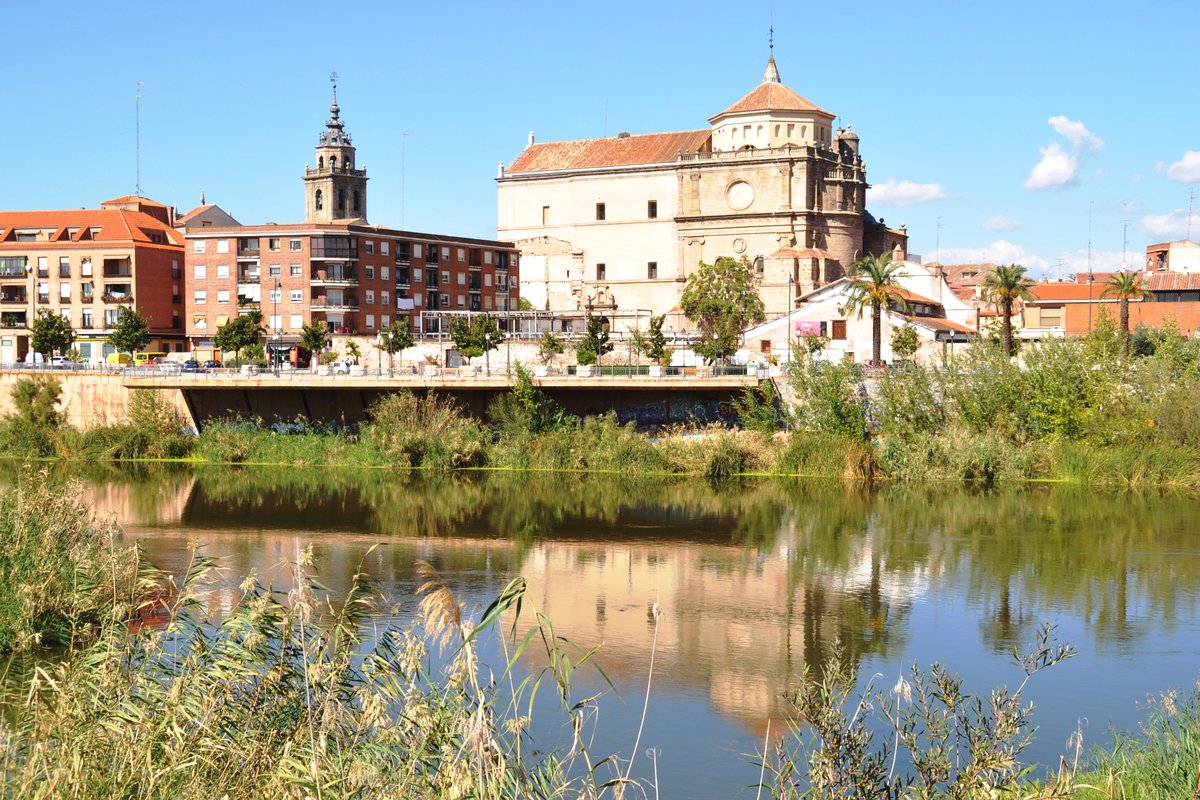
x: 617, y: 224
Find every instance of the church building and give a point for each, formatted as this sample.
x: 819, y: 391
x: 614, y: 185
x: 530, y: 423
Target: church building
x: 616, y: 224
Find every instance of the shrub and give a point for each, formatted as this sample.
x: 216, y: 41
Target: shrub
x: 431, y: 431
x: 909, y: 401
x: 830, y: 397
x: 759, y: 409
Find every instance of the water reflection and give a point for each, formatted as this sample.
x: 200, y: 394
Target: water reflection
x: 757, y: 578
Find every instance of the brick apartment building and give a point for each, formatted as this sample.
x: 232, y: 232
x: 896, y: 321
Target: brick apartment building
x: 85, y: 265
x: 335, y: 268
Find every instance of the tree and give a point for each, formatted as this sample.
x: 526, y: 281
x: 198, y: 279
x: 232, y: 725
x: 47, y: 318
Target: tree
x: 475, y: 338
x: 132, y: 331
x: 595, y: 342
x: 239, y: 333
x: 875, y: 284
x: 353, y: 351
x: 51, y: 332
x: 549, y: 347
x: 905, y: 341
x: 1126, y: 286
x: 722, y: 300
x: 523, y: 304
x: 1003, y: 287
x: 656, y: 341
x: 312, y: 338
x: 396, y: 339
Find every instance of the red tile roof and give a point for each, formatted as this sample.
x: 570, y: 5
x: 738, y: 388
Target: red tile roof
x: 966, y: 274
x: 194, y: 213
x: 771, y: 96
x: 937, y: 324
x: 614, y: 151
x: 1170, y: 281
x: 114, y: 225
x: 132, y: 198
x: 913, y: 297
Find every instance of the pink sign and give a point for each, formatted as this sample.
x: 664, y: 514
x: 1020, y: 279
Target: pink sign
x: 808, y: 328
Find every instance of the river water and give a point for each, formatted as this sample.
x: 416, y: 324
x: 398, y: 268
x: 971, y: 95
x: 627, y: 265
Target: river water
x: 755, y: 580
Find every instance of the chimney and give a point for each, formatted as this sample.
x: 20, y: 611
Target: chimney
x: 530, y: 139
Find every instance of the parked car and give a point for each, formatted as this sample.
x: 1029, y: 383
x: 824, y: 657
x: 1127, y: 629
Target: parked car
x: 212, y: 363
x: 192, y: 365
x: 340, y: 367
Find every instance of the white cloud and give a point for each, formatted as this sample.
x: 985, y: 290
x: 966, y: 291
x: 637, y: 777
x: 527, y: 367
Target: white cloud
x: 1172, y: 225
x: 905, y: 193
x: 1000, y: 251
x: 1186, y: 169
x: 1102, y: 261
x: 1077, y: 133
x: 1058, y: 169
x: 1001, y: 223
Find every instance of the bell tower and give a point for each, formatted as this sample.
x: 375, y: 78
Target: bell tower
x: 336, y: 190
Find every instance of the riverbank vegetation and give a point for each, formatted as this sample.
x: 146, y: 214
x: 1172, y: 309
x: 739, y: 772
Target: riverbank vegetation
x: 291, y: 695
x: 1074, y: 410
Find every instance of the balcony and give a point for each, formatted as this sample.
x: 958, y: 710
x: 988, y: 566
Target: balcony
x: 334, y: 277
x: 113, y: 298
x: 334, y: 304
x: 12, y: 319
x: 16, y: 298
x: 247, y: 249
x: 337, y: 248
x: 118, y: 268
x: 249, y: 277
x: 248, y: 302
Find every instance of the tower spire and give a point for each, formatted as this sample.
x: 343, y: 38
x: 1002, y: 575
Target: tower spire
x: 771, y: 73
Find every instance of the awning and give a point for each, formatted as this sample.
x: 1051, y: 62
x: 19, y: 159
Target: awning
x: 222, y: 319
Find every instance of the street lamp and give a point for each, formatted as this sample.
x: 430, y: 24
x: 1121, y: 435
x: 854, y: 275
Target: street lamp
x: 275, y: 320
x: 790, y: 333
x: 379, y: 353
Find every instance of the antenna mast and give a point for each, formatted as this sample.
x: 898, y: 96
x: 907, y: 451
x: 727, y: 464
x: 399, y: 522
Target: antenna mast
x: 1091, y: 207
x: 137, y: 139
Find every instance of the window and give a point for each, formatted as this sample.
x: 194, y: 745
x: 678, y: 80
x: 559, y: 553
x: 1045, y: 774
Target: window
x: 385, y: 298
x: 294, y: 270
x: 445, y: 253
x: 487, y: 303
x: 319, y: 200
x: 273, y: 245
x: 294, y: 245
x: 198, y: 246
x: 64, y: 292
x: 416, y: 298
x: 112, y: 316
x: 296, y: 296
x: 222, y: 296
x: 200, y: 322
x: 385, y: 273
x: 370, y: 247
x: 462, y: 301
x: 199, y: 272
x: 487, y: 256
x: 765, y: 346
x: 462, y: 254
x: 85, y: 267
x: 370, y: 323
x: 599, y: 212
x: 222, y: 270
x: 652, y: 270
x: 296, y: 321
x: 88, y: 320
x: 839, y: 330
x: 200, y: 298
x: 370, y: 297
x: 222, y: 245
x: 416, y: 250
x: 384, y: 320
x: 383, y: 248
x: 416, y: 276
x: 274, y: 296
x: 601, y: 272
x: 64, y: 267
x: 445, y: 276
x: 652, y: 209
x: 370, y: 272
x: 274, y: 322
x: 445, y: 301
x: 274, y: 271
x: 487, y: 279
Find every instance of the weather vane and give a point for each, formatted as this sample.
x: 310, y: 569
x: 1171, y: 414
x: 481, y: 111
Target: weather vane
x: 333, y: 80
x: 771, y: 38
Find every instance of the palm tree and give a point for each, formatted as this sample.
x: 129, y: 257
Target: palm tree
x: 1003, y: 287
x: 874, y: 284
x: 1126, y: 286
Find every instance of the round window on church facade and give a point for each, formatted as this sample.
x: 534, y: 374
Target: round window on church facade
x: 739, y: 195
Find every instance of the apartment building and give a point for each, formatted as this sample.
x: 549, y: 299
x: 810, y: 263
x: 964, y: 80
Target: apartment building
x: 86, y: 265
x: 335, y: 268
x: 352, y: 278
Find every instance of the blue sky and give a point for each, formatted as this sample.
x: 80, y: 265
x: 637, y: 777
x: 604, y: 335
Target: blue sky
x: 1006, y: 121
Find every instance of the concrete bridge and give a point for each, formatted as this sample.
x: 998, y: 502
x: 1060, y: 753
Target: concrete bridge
x: 648, y: 401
